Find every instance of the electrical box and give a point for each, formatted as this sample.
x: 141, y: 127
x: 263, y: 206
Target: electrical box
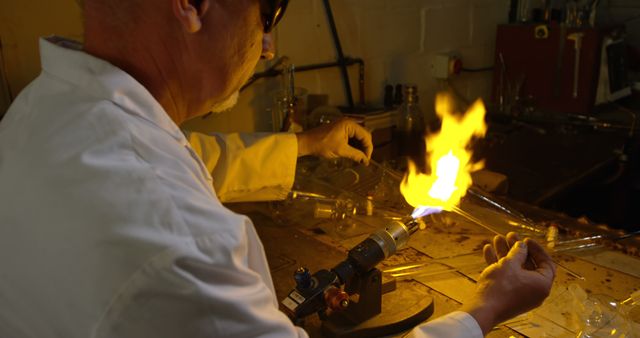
x: 445, y: 65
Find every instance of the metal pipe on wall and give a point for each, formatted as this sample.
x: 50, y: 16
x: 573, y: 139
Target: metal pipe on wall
x: 341, y: 58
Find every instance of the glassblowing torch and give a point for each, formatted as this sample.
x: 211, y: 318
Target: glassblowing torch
x: 321, y: 291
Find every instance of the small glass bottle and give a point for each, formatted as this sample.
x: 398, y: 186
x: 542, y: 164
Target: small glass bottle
x: 285, y: 114
x: 410, y: 128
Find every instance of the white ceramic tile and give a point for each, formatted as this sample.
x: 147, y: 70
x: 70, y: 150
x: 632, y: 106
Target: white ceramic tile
x: 485, y: 17
x: 446, y: 27
x: 396, y: 38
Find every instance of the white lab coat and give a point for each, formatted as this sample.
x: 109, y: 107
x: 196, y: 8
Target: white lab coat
x: 109, y: 223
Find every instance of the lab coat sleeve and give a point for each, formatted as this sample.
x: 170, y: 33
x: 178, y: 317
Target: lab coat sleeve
x: 248, y: 167
x: 456, y: 324
x: 198, y: 290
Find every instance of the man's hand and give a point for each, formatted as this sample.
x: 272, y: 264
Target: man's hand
x: 517, y: 280
x: 332, y: 141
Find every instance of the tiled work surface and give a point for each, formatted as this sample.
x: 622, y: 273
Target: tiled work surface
x: 451, y: 243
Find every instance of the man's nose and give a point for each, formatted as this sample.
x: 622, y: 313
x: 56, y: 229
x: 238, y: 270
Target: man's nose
x: 268, y: 47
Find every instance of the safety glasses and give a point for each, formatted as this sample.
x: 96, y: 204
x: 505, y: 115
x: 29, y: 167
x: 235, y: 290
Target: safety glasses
x: 273, y: 13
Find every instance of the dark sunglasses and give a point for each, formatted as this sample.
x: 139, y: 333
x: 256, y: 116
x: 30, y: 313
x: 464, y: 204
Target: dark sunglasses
x: 273, y: 13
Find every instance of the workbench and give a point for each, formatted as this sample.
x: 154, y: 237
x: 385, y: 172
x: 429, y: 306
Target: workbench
x: 581, y: 164
x: 542, y: 161
x: 452, y: 241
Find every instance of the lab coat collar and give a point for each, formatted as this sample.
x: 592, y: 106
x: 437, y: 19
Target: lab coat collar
x: 65, y: 59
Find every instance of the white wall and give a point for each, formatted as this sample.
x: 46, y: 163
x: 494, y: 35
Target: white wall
x: 22, y: 23
x: 5, y: 93
x: 396, y: 38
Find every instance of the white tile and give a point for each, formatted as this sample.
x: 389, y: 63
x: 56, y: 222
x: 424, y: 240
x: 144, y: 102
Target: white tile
x: 396, y: 38
x: 304, y: 35
x: 376, y: 77
x: 392, y: 31
x: 446, y: 27
x: 485, y: 17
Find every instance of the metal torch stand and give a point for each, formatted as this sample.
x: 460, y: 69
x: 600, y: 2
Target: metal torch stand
x: 380, y: 310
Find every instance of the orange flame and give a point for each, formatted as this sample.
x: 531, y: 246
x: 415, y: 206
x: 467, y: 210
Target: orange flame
x: 448, y: 158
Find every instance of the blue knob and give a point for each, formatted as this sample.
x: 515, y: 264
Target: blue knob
x: 302, y: 277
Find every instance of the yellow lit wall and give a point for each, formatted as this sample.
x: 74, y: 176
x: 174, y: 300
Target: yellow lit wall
x: 396, y: 38
x: 22, y: 23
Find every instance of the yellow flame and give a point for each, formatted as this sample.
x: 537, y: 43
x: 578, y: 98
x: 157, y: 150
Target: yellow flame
x: 448, y: 158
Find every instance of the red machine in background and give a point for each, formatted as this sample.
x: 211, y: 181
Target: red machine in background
x: 558, y: 69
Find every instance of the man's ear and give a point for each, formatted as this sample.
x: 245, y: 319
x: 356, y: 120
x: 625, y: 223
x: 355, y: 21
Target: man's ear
x: 190, y: 13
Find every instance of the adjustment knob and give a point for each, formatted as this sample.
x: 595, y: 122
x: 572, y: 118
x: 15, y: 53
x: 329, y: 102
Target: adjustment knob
x: 336, y: 299
x: 302, y: 277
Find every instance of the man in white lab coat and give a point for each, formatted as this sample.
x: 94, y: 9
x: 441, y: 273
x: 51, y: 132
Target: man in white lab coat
x: 110, y: 219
